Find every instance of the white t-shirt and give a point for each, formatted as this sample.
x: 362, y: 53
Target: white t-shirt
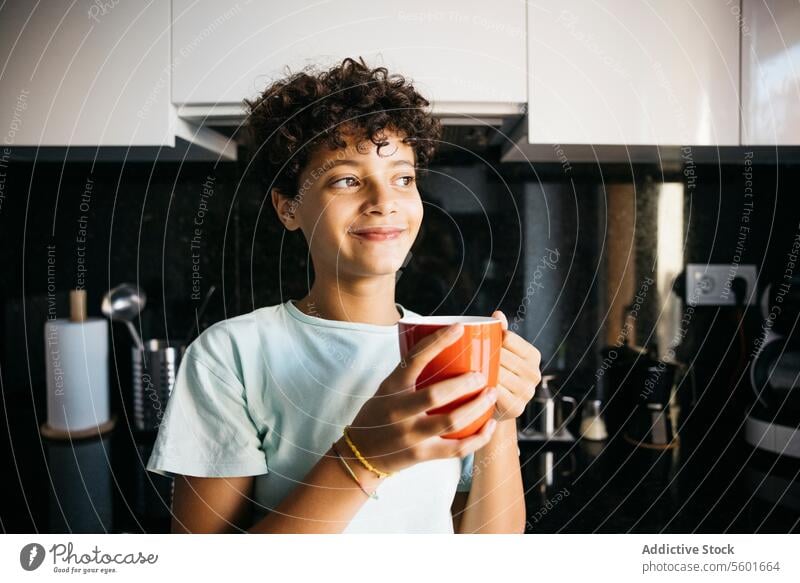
x: 266, y: 393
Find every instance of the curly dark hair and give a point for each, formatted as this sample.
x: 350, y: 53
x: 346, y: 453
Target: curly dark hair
x: 298, y: 113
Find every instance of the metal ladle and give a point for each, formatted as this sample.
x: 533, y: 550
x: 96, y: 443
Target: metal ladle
x: 123, y: 304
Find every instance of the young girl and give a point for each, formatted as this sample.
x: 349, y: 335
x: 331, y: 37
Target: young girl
x: 301, y: 417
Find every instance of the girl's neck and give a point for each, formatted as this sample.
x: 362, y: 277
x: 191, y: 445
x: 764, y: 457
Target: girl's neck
x: 366, y: 302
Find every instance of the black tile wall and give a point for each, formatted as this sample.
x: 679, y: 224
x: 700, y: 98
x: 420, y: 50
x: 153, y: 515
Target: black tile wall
x: 177, y: 229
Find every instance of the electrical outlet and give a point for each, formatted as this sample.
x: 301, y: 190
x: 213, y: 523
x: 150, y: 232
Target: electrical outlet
x: 710, y: 284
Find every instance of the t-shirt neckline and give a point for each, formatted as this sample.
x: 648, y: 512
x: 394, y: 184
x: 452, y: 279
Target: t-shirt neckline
x: 298, y: 314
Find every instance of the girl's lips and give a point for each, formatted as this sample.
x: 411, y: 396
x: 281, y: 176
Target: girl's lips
x: 378, y: 235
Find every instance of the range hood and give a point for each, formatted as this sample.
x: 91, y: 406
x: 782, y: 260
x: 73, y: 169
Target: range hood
x: 516, y: 147
x: 450, y: 113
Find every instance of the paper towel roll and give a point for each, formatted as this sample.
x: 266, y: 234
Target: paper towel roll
x: 76, y: 354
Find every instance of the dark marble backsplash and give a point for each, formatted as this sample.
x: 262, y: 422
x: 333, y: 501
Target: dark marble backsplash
x: 531, y: 240
x: 528, y: 240
x: 177, y: 229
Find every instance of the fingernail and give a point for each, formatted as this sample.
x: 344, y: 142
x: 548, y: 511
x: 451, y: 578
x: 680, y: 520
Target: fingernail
x: 492, y: 396
x: 455, y: 329
x: 491, y: 424
x: 478, y: 379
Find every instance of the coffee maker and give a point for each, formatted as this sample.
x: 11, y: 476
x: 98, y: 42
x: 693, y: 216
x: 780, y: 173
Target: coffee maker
x: 640, y: 394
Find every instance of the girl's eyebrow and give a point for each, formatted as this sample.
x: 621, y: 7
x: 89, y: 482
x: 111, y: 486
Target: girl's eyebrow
x: 402, y: 162
x: 352, y: 162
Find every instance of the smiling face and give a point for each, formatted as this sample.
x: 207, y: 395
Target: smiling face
x: 358, y: 207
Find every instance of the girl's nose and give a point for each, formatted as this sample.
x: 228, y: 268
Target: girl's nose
x: 381, y: 200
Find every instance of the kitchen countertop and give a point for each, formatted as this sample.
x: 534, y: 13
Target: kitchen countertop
x: 699, y: 486
x: 100, y: 485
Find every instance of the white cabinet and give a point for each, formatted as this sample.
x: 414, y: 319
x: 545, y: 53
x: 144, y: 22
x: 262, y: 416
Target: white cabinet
x: 635, y: 73
x: 593, y: 74
x: 465, y: 57
x: 771, y: 72
x: 90, y: 74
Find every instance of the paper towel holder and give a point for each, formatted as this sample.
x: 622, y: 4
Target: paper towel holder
x: 61, y: 435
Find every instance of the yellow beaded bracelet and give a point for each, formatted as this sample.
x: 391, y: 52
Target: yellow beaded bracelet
x: 372, y: 495
x: 361, y: 458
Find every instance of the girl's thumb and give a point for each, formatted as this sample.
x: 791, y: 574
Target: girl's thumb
x: 502, y: 317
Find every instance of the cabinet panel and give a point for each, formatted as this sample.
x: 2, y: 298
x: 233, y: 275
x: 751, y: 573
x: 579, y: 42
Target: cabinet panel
x: 455, y: 52
x: 771, y: 72
x: 637, y: 73
x: 76, y: 74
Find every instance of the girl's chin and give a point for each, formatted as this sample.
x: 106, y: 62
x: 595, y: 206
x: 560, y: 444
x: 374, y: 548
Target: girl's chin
x: 378, y: 271
x: 375, y: 269
x: 387, y: 260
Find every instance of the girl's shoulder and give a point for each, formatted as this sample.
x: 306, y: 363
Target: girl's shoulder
x: 227, y: 341
x: 237, y: 327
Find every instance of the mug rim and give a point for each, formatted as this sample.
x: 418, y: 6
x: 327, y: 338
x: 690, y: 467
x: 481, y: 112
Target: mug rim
x: 448, y: 320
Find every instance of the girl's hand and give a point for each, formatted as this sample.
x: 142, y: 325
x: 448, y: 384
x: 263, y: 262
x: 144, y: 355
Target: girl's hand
x: 393, y: 429
x: 519, y: 373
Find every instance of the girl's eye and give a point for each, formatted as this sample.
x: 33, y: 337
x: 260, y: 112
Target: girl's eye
x: 406, y: 180
x: 346, y: 182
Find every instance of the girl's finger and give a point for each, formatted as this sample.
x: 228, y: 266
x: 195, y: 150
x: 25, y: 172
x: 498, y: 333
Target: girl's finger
x: 509, y: 404
x: 518, y: 386
x: 464, y: 447
x: 517, y: 364
x: 521, y: 347
x: 429, y: 347
x: 460, y: 417
x: 473, y: 443
x: 440, y: 393
x: 405, y: 374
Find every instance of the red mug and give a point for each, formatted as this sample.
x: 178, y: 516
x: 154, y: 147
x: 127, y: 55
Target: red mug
x: 477, y: 350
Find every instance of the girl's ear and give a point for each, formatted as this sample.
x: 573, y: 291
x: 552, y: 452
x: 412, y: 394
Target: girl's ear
x: 286, y: 208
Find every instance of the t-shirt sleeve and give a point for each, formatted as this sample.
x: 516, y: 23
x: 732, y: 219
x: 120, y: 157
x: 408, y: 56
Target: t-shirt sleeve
x: 206, y: 429
x: 465, y: 482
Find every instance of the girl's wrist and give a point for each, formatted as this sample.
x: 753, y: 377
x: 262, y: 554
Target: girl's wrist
x: 504, y: 438
x: 355, y: 449
x: 506, y: 430
x: 368, y: 479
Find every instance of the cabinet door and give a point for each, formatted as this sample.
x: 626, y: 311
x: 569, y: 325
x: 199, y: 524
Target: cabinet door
x: 80, y: 74
x: 660, y: 72
x: 454, y: 51
x: 771, y: 72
